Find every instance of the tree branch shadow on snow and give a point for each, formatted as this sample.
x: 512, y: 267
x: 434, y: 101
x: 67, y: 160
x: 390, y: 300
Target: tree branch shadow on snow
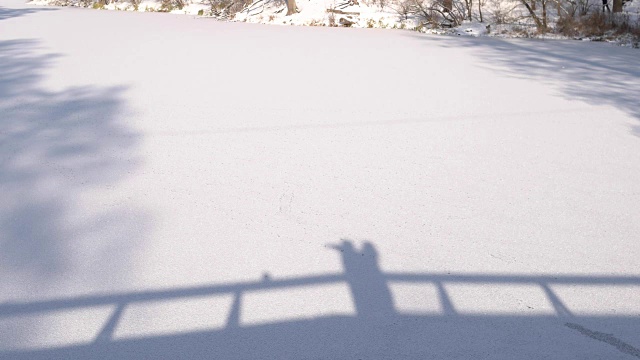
x: 376, y: 330
x: 605, y: 74
x: 53, y: 146
x: 6, y: 13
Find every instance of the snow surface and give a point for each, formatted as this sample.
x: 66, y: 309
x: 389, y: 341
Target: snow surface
x: 180, y: 188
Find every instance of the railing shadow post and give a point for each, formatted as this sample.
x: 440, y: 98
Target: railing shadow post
x: 106, y: 333
x: 560, y: 308
x: 233, y: 320
x: 445, y: 300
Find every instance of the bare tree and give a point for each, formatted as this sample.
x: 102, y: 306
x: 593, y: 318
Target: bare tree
x: 437, y: 11
x: 404, y: 8
x: 480, y: 5
x: 539, y: 19
x: 469, y: 6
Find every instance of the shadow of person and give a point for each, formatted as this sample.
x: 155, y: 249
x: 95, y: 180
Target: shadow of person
x: 371, y: 295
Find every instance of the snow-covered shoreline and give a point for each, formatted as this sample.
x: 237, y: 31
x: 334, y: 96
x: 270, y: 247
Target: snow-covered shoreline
x: 350, y: 14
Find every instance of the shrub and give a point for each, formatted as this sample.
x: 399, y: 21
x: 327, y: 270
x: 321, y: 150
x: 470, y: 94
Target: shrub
x: 599, y: 26
x: 98, y: 5
x: 166, y: 6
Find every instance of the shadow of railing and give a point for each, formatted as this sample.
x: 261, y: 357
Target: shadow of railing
x: 122, y: 300
x: 374, y: 314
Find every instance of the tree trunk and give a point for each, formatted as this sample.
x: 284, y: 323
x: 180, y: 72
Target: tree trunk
x: 617, y: 6
x: 480, y: 9
x: 292, y: 8
x: 544, y: 16
x: 533, y: 15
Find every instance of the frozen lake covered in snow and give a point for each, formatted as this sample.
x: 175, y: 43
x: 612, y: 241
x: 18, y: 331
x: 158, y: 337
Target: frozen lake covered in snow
x: 173, y: 187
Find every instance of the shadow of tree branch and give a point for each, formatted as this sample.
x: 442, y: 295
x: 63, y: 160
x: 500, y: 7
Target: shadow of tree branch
x: 54, y: 146
x: 593, y: 73
x: 6, y: 13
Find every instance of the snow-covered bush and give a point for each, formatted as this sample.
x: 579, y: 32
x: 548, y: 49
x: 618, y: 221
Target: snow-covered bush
x: 226, y: 8
x: 169, y: 5
x: 599, y: 25
x: 440, y: 12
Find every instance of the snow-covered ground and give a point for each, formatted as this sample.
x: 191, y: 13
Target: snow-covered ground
x: 186, y: 188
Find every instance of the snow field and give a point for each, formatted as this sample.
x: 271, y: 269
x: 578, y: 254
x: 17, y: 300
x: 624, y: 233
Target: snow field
x: 144, y: 153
